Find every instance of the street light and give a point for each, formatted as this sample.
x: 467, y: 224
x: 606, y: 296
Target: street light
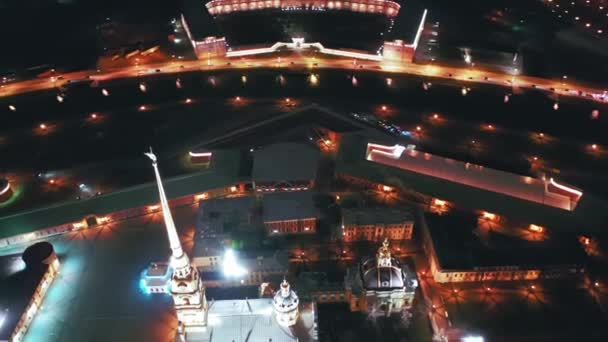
x: 105, y: 92
x: 12, y: 108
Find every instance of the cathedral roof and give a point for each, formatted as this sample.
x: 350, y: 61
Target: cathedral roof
x: 377, y: 277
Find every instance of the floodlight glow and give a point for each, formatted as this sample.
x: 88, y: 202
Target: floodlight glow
x: 472, y: 339
x: 3, y: 317
x: 230, y: 266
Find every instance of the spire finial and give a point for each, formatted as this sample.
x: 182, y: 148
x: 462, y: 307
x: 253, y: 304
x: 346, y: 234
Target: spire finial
x: 151, y: 155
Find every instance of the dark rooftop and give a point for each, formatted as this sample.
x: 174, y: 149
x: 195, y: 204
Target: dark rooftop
x: 289, y: 206
x: 285, y: 162
x: 379, y: 215
x: 459, y: 247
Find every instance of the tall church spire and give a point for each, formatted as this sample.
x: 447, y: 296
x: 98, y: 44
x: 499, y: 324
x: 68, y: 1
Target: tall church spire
x: 179, y: 260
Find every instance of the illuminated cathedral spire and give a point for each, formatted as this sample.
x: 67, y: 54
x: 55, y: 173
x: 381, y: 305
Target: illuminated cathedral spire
x: 179, y: 260
x: 186, y: 286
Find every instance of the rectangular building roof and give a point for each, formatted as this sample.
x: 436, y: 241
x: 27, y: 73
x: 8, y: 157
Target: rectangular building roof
x: 254, y: 320
x: 590, y: 214
x: 285, y: 162
x: 217, y: 214
x: 293, y: 205
x: 373, y: 216
x: 458, y: 246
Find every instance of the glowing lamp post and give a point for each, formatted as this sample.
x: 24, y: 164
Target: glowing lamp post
x: 389, y: 82
x: 464, y: 91
x: 178, y: 83
x: 595, y: 114
x: 555, y: 106
x: 105, y: 92
x: 244, y: 79
x: 12, y: 108
x: 313, y: 79
x: 59, y: 98
x: 142, y: 87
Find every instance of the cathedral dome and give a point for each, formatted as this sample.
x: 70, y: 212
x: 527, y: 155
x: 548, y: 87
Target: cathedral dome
x: 383, y: 272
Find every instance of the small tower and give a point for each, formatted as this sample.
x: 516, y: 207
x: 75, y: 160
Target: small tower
x: 384, y: 255
x: 286, y: 304
x: 186, y: 286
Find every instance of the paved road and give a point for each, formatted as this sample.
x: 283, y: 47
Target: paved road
x: 564, y: 87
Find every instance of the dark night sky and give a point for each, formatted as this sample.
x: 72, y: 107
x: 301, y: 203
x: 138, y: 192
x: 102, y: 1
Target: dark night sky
x: 65, y: 32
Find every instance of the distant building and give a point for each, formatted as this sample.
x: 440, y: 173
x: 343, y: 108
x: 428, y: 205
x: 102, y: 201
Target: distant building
x: 398, y: 51
x: 290, y: 213
x: 380, y: 286
x: 285, y: 167
x: 375, y: 224
x: 265, y: 267
x: 210, y: 47
x: 23, y: 289
x: 216, y: 217
x: 200, y: 157
x: 156, y: 278
x: 457, y: 253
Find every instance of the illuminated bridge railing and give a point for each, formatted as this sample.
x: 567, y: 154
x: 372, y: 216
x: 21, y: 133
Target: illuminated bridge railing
x: 388, y: 8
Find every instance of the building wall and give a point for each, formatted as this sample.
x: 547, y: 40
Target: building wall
x: 377, y: 232
x: 398, y: 51
x: 210, y: 47
x: 308, y: 225
x: 492, y: 273
x: 284, y: 186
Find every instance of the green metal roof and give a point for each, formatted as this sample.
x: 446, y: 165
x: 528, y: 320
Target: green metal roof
x: 224, y: 171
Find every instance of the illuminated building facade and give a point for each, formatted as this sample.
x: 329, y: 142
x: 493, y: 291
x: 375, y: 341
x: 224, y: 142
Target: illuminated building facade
x: 25, y: 290
x: 362, y: 22
x: 380, y: 286
x: 290, y: 213
x: 375, y: 224
x: 457, y: 252
x: 186, y: 286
